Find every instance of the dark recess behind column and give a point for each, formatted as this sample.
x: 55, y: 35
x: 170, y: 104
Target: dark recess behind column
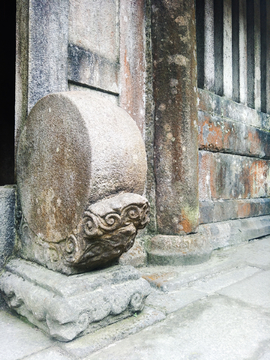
x: 235, y: 49
x: 263, y: 55
x: 200, y: 42
x: 8, y: 31
x: 218, y: 46
x: 250, y: 53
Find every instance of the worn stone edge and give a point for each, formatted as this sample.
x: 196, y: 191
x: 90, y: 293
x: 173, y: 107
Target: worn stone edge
x: 93, y: 342
x: 234, y: 232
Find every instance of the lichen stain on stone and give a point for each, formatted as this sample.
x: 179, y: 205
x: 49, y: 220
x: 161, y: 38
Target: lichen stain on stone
x: 259, y: 174
x: 178, y: 59
x: 189, y: 218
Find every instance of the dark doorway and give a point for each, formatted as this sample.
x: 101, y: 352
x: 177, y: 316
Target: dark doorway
x: 8, y: 31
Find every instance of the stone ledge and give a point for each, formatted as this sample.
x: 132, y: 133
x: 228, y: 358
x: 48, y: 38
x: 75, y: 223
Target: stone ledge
x: 223, y: 210
x: 220, y: 105
x: 233, y: 232
x: 69, y: 306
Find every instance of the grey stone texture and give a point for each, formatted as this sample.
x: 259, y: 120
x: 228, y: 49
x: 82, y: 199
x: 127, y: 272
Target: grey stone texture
x: 176, y: 117
x: 254, y: 291
x: 83, y: 346
x: 222, y: 210
x: 214, y: 282
x: 19, y: 339
x: 210, y: 329
x: 7, y: 223
x: 173, y: 301
x: 136, y: 256
x: 215, y: 310
x: 93, y: 51
x: 239, y: 113
x: 233, y: 232
x: 68, y: 306
x: 178, y: 250
x: 94, y: 150
x: 48, y: 41
x: 233, y: 167
x: 227, y: 135
x: 88, y: 68
x: 93, y: 25
x: 54, y: 353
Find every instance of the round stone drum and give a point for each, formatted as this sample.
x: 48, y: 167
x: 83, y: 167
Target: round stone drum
x: 75, y: 150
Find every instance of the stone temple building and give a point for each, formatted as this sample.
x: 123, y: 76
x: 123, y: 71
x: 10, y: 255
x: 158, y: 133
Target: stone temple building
x: 193, y: 75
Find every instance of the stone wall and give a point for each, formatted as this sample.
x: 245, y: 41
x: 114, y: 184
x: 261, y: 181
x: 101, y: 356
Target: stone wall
x: 233, y: 121
x: 208, y: 155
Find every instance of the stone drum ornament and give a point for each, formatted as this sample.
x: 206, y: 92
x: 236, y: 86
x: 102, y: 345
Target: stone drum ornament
x: 81, y: 174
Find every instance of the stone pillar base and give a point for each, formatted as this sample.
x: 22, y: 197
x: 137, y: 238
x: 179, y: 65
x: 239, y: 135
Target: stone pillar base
x: 178, y: 250
x: 66, y: 307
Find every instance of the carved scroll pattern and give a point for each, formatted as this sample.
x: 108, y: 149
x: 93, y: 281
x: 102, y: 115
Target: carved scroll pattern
x: 101, y: 239
x: 107, y: 229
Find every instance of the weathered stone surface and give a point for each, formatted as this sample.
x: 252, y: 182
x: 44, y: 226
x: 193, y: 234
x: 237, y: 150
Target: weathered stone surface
x: 253, y: 290
x: 233, y: 232
x: 219, y: 134
x: 7, y: 223
x: 216, y: 282
x: 21, y: 71
x: 173, y: 301
x: 222, y: 210
x: 209, y: 329
x: 176, y: 134
x: 91, y: 343
x: 223, y: 176
x: 178, y: 250
x: 132, y: 59
x: 93, y: 25
x: 54, y: 353
x: 47, y: 65
x: 114, y: 98
x: 106, y: 230
x: 68, y: 306
x: 136, y: 256
x: 94, y: 150
x: 93, y: 51
x: 19, y: 339
x: 216, y: 105
x: 88, y: 68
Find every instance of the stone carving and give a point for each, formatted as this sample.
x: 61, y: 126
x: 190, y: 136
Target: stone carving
x: 81, y: 173
x: 104, y: 236
x: 107, y: 229
x: 68, y: 306
x: 81, y: 170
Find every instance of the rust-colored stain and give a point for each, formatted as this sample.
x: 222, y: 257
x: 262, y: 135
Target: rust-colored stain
x: 258, y: 178
x: 210, y: 135
x: 244, y: 209
x: 255, y: 143
x: 159, y: 279
x: 224, y: 176
x: 186, y: 222
x: 223, y: 135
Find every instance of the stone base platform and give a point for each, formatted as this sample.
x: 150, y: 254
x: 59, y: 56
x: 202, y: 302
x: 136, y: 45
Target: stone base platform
x: 178, y: 250
x: 66, y: 307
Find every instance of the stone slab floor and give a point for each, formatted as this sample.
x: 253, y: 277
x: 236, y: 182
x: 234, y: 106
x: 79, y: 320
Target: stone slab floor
x: 213, y: 311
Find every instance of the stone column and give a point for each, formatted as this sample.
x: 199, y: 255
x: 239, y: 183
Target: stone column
x: 175, y: 95
x: 176, y: 134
